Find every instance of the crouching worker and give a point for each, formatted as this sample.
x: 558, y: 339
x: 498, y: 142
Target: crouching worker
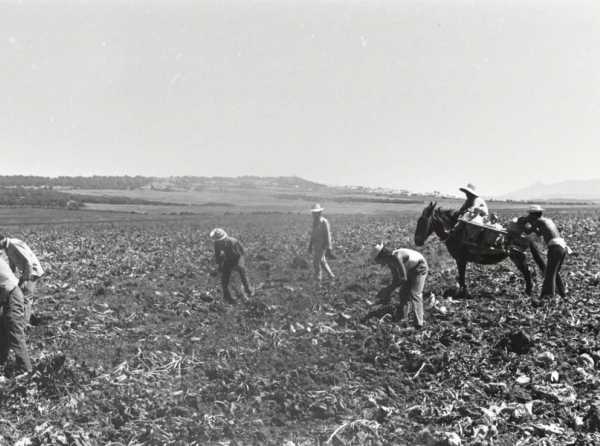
x: 229, y: 256
x: 409, y: 271
x: 12, y: 320
x: 24, y: 262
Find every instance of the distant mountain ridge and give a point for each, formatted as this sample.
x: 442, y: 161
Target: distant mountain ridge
x: 564, y: 190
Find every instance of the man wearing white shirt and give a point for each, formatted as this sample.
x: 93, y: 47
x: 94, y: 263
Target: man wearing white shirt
x: 473, y: 204
x: 409, y: 270
x: 12, y: 321
x: 23, y: 262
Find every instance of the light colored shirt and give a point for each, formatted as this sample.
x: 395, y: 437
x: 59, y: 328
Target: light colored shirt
x: 21, y: 257
x: 321, y: 234
x: 480, y: 206
x: 409, y: 258
x: 8, y: 280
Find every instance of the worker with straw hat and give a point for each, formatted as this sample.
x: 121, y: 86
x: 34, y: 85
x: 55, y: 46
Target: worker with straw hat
x: 12, y: 320
x: 320, y: 243
x: 473, y: 203
x: 229, y: 256
x: 409, y: 270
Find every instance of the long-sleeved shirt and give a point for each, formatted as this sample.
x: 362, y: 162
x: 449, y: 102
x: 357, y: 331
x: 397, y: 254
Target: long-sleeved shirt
x: 320, y: 236
x: 8, y: 280
x: 228, y: 251
x: 22, y: 258
x: 474, y: 204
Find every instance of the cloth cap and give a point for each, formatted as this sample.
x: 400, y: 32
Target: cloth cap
x: 469, y: 189
x: 317, y: 208
x: 218, y: 234
x: 535, y: 209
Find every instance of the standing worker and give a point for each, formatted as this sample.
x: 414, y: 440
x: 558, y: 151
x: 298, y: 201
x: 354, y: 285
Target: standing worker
x: 557, y: 250
x: 320, y: 243
x: 23, y: 262
x: 409, y: 270
x: 12, y: 321
x: 229, y: 256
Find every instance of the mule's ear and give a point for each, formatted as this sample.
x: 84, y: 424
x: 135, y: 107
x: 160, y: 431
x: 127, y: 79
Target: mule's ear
x: 433, y: 204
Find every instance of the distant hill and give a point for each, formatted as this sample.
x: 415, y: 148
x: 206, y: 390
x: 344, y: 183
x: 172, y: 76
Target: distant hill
x: 565, y: 190
x: 136, y: 182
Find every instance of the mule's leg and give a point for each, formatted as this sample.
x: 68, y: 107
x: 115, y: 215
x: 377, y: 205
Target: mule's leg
x: 520, y: 261
x: 462, y: 284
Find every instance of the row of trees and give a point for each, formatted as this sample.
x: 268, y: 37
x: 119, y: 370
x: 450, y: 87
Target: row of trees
x: 93, y: 182
x: 27, y: 196
x: 135, y: 182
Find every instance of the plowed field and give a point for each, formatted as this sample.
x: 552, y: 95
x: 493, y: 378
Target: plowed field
x: 137, y: 346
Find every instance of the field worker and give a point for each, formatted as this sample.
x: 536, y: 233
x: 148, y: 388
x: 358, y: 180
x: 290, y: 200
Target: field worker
x: 12, y: 321
x: 23, y: 262
x: 557, y: 250
x: 473, y: 204
x: 409, y: 270
x: 229, y: 256
x: 320, y: 242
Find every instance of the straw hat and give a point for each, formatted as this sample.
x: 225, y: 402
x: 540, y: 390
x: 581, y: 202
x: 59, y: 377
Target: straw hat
x: 469, y: 189
x: 535, y: 209
x: 317, y: 208
x: 218, y: 234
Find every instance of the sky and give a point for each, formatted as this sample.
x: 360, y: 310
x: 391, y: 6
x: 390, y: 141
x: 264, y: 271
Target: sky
x: 420, y: 95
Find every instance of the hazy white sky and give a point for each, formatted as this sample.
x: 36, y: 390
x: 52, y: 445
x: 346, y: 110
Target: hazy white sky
x: 421, y: 95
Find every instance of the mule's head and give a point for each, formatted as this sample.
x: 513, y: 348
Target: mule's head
x: 424, y: 224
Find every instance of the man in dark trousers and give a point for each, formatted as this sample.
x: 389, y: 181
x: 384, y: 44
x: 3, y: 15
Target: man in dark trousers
x: 557, y: 249
x: 24, y: 263
x: 12, y: 320
x: 229, y: 256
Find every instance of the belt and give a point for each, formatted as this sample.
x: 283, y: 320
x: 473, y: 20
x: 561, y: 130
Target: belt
x: 559, y: 241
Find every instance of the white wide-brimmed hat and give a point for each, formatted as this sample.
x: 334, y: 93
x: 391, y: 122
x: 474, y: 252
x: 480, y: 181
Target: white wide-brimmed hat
x: 535, y: 209
x: 469, y: 189
x: 375, y: 251
x: 317, y: 208
x: 218, y: 234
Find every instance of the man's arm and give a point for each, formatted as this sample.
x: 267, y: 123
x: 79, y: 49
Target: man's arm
x: 397, y: 269
x: 398, y: 273
x: 241, y: 248
x: 218, y: 256
x: 327, y: 235
x: 466, y: 205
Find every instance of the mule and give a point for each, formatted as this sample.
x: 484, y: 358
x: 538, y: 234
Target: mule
x: 441, y: 221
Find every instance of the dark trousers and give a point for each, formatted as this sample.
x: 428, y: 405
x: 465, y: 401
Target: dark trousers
x: 226, y: 271
x: 12, y: 329
x: 28, y: 288
x: 556, y: 256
